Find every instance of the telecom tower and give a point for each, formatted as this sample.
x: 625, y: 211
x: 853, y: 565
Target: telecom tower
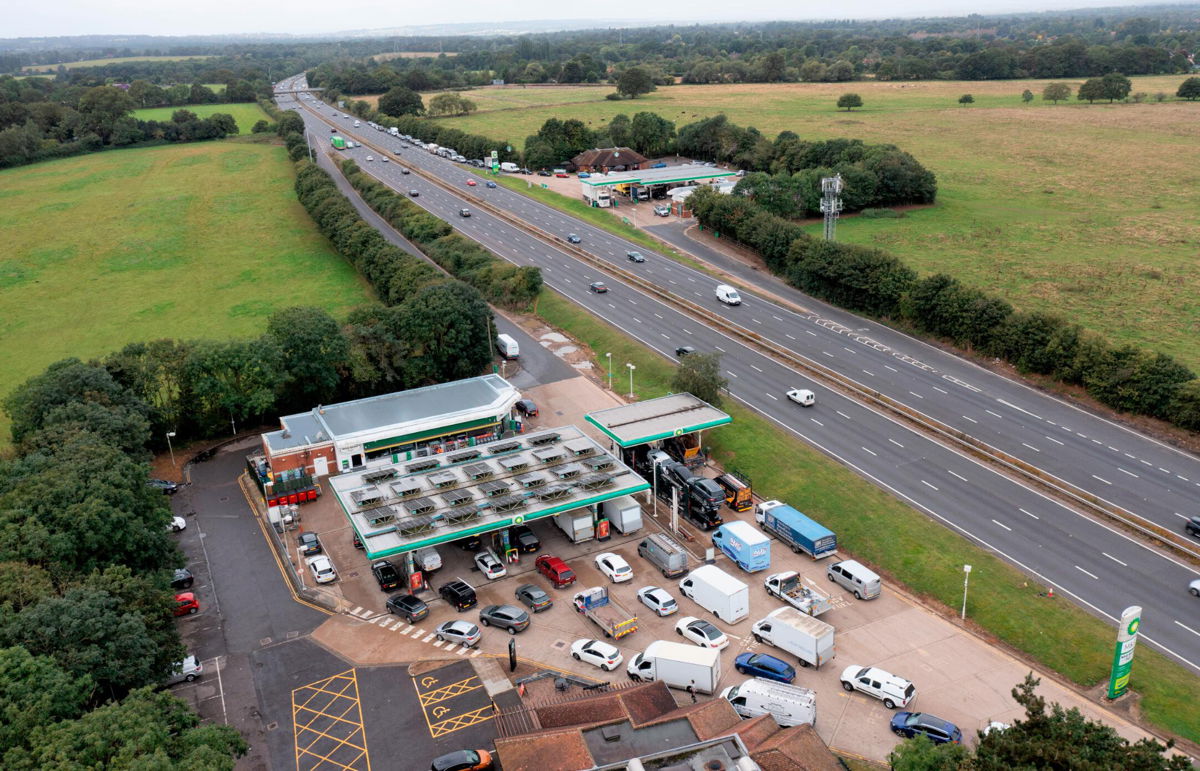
x: 831, y: 205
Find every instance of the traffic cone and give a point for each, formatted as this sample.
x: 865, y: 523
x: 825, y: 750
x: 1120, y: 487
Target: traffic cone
x: 1050, y: 592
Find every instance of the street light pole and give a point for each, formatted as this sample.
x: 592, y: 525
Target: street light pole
x: 170, y: 448
x: 966, y: 577
x: 609, y: 357
x: 632, y: 367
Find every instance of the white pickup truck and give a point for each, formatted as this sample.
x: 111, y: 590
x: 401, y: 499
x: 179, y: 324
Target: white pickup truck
x: 788, y: 587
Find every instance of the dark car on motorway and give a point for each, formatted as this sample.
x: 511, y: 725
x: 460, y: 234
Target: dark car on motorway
x: 408, y: 607
x: 909, y: 724
x: 534, y: 597
x: 309, y: 543
x: 464, y: 212
x: 635, y: 256
x: 490, y: 183
x: 403, y: 170
x: 684, y: 350
x: 386, y: 574
x: 527, y: 408
x: 525, y: 540
x: 183, y: 579
x: 574, y: 239
x: 599, y: 287
x: 413, y: 193
x: 507, y: 617
x: 1192, y: 526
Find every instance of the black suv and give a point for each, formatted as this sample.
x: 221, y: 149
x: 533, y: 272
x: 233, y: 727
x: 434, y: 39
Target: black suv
x: 1193, y: 526
x: 408, y: 607
x: 459, y: 594
x: 524, y: 539
x: 386, y: 574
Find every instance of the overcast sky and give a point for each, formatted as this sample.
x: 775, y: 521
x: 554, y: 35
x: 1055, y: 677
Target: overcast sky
x: 154, y: 17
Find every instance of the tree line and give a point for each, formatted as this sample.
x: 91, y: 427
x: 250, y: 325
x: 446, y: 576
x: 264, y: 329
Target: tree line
x: 876, y: 283
x: 73, y: 121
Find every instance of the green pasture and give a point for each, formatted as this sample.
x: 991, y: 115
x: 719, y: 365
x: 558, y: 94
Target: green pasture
x: 1085, y: 210
x: 118, y: 60
x: 200, y: 240
x: 905, y: 545
x: 245, y: 113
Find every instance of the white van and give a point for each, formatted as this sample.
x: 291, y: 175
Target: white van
x: 728, y: 295
x: 855, y: 578
x: 508, y: 346
x: 427, y: 559
x: 511, y: 168
x: 790, y: 705
x: 717, y: 592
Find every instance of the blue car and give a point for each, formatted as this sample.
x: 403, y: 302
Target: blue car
x: 584, y: 175
x: 910, y: 724
x: 659, y: 165
x: 490, y: 183
x: 762, y: 665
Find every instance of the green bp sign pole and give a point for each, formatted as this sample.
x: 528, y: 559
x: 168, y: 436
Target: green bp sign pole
x: 1118, y: 681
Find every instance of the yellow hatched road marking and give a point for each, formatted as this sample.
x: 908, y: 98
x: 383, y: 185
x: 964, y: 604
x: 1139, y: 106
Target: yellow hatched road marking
x: 449, y: 691
x: 459, y: 722
x: 337, y: 710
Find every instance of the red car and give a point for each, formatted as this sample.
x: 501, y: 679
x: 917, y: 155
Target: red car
x: 186, y: 604
x: 471, y: 183
x: 559, y: 573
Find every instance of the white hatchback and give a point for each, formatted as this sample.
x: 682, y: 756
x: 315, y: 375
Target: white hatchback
x: 490, y: 565
x: 322, y: 569
x: 658, y: 600
x: 703, y: 633
x: 615, y: 567
x: 597, y: 653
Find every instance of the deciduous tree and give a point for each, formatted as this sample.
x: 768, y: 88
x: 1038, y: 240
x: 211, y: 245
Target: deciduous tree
x: 314, y: 354
x: 966, y: 99
x: 699, y: 374
x: 1056, y: 92
x: 1189, y: 89
x: 401, y: 101
x: 848, y: 102
x: 634, y: 82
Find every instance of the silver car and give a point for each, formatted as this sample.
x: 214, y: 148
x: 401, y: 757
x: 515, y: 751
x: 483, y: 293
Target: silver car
x: 460, y: 632
x: 186, y: 671
x: 507, y: 617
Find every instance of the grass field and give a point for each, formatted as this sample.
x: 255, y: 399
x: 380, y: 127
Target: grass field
x: 906, y: 545
x: 245, y: 113
x: 118, y: 60
x: 201, y: 240
x: 410, y: 55
x: 1087, y: 210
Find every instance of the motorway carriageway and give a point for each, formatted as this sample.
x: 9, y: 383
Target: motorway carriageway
x: 1100, y: 567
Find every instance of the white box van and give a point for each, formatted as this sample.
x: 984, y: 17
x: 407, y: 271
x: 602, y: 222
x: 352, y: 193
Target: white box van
x: 427, y: 559
x: 511, y: 168
x: 728, y: 295
x: 718, y: 592
x: 855, y: 578
x: 508, y: 346
x: 790, y: 705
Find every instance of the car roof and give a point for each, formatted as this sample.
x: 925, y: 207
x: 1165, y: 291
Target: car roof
x: 924, y: 718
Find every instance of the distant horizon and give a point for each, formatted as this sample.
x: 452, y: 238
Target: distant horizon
x: 359, y: 18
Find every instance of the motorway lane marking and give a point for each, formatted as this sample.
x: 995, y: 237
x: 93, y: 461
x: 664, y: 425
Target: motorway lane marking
x: 1185, y: 626
x: 1130, y: 473
x: 827, y: 353
x: 1114, y: 559
x: 660, y: 318
x: 756, y: 369
x: 1163, y: 470
x: 756, y: 321
x: 893, y: 441
x: 719, y: 348
x: 960, y: 476
x: 1180, y: 476
x: 776, y: 317
x: 773, y: 396
x: 844, y: 415
x: 1001, y: 524
x: 931, y: 487
x: 1052, y: 439
x: 888, y: 366
x: 1018, y: 409
x: 973, y: 420
x: 1105, y: 481
x: 1097, y: 441
x: 1035, y: 516
x: 914, y: 393
x: 810, y: 332
x: 789, y: 337
x: 994, y: 413
x: 870, y: 451
x: 1081, y: 570
x: 819, y: 423
x: 1148, y: 463
x: 731, y: 373
x: 844, y: 348
x: 1114, y: 449
x: 940, y: 390
x: 872, y: 374
x: 665, y: 336
x: 1030, y: 446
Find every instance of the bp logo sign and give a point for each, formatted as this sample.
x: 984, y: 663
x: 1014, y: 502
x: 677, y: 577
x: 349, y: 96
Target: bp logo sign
x: 679, y: 432
x: 1132, y: 629
x: 518, y: 519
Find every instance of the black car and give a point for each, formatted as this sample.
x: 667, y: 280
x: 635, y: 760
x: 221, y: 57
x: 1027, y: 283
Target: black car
x: 684, y: 350
x: 574, y: 239
x: 460, y: 594
x: 527, y: 408
x: 411, y: 608
x: 544, y: 173
x: 524, y: 539
x: 635, y: 256
x: 183, y: 579
x: 464, y: 212
x: 403, y: 170
x: 309, y: 543
x: 1193, y: 526
x: 168, y: 487
x: 413, y: 193
x: 471, y: 543
x: 386, y: 574
x: 599, y: 287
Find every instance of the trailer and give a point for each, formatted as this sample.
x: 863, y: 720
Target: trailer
x: 788, y: 587
x: 796, y: 530
x: 596, y: 604
x: 739, y: 495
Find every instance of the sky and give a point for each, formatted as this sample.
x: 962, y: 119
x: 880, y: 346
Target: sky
x: 213, y: 17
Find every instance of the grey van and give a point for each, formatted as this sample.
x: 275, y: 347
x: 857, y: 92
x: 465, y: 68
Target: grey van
x: 855, y: 578
x: 665, y: 554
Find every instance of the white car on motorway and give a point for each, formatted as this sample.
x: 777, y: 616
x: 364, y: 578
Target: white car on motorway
x: 322, y: 569
x: 701, y: 632
x: 490, y: 565
x: 1194, y: 588
x: 657, y: 600
x: 614, y: 566
x: 597, y: 653
x: 802, y: 396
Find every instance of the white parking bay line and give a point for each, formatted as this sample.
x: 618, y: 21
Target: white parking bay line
x: 429, y: 637
x: 438, y: 643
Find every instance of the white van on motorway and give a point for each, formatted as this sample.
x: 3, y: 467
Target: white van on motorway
x: 728, y: 295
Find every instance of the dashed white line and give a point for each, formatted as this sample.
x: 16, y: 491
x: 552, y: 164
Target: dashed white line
x: 1001, y: 524
x: 1052, y: 439
x: 1028, y: 514
x: 1126, y: 471
x: 789, y: 337
x: 773, y: 396
x: 719, y: 348
x: 756, y: 369
x: 1081, y: 570
x: 973, y: 420
x: 1114, y: 559
x: 960, y: 476
x: 997, y: 414
x: 734, y: 374
x: 940, y: 390
x: 844, y: 348
x: 810, y: 332
x: 660, y: 318
x: 1163, y: 470
x: 1146, y: 462
x: 844, y: 415
x: 827, y: 353
x: 931, y: 487
x: 1030, y: 446
x: 872, y: 374
x: 819, y: 423
x: 871, y: 451
x: 893, y: 369
x: 1105, y: 481
x: 893, y: 441
x: 914, y: 393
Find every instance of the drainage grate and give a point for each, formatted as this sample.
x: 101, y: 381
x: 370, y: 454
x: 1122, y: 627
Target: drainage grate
x: 559, y: 645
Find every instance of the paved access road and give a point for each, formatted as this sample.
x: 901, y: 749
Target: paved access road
x: 1104, y: 570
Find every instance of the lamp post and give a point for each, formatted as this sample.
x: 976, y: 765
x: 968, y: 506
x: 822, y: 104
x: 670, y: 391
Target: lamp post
x: 966, y: 577
x: 632, y: 367
x: 609, y: 357
x: 170, y: 448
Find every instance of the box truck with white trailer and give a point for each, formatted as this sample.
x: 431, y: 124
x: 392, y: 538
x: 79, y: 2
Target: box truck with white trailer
x: 678, y: 665
x: 625, y: 514
x: 808, y: 639
x: 576, y: 525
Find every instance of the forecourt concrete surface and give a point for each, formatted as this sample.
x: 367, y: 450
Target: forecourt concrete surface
x: 958, y: 676
x: 1088, y: 561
